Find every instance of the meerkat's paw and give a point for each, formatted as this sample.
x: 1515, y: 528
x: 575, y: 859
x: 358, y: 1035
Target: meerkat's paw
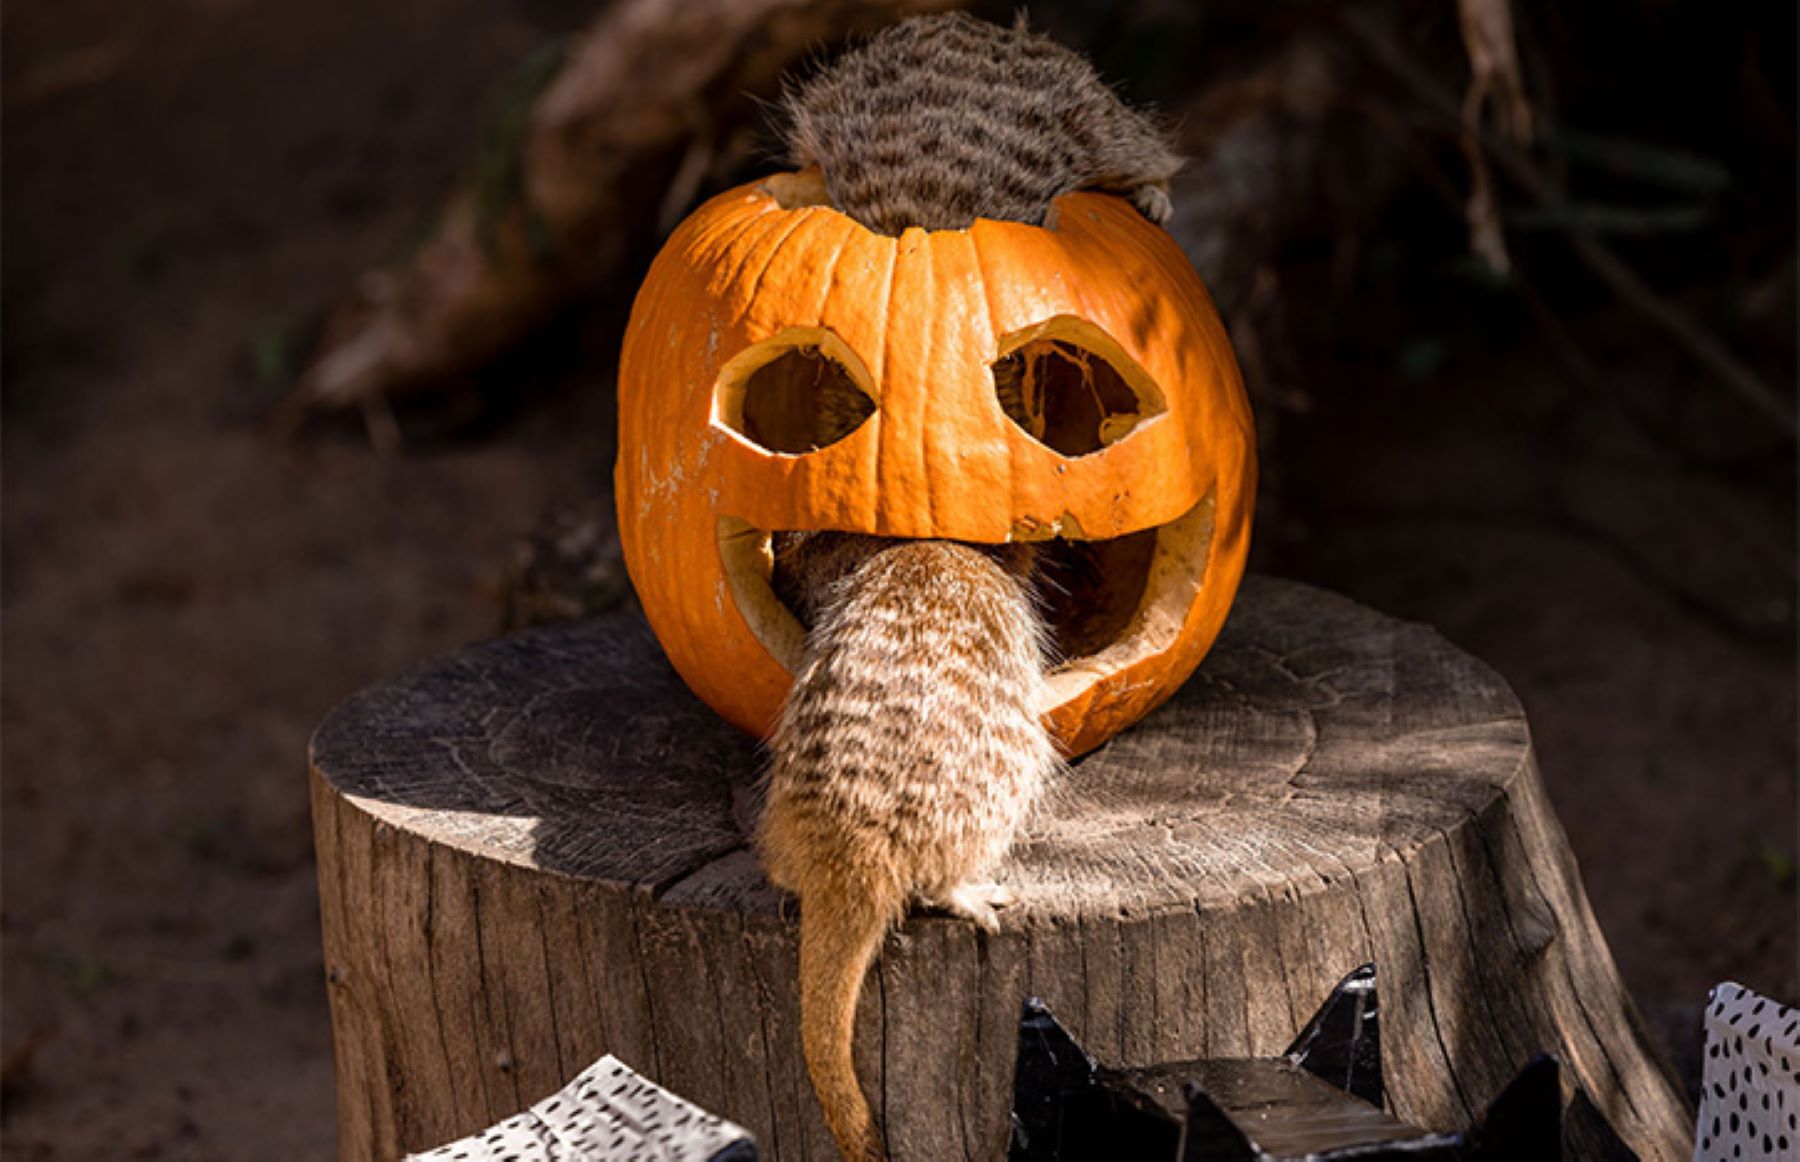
x: 996, y: 895
x: 978, y: 902
x: 1153, y: 202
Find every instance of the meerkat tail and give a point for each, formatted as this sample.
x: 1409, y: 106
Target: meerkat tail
x: 905, y: 759
x: 837, y: 945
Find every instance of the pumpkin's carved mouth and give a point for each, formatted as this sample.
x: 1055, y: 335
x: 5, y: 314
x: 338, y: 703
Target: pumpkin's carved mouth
x: 1108, y: 603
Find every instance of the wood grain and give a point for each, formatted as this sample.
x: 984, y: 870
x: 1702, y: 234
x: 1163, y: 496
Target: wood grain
x: 530, y: 855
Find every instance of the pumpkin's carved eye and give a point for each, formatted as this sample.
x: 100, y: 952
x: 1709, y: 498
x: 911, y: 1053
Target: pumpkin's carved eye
x: 1068, y: 398
x: 802, y: 400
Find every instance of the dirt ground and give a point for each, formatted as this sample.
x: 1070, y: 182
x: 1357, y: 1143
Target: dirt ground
x: 184, y: 597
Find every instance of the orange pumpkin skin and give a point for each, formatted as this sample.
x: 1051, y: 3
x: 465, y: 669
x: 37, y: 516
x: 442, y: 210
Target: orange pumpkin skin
x: 919, y: 321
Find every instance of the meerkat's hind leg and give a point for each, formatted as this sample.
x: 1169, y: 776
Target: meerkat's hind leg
x: 976, y: 902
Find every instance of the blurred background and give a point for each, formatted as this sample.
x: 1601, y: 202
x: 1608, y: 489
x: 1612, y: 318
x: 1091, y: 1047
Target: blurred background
x: 310, y: 319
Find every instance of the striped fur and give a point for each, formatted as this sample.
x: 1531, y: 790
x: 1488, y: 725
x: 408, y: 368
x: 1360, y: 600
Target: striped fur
x: 906, y: 758
x: 945, y: 119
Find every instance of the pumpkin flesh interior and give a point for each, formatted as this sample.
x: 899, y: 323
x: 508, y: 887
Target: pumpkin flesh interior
x: 1107, y: 603
x: 1057, y: 386
x: 798, y: 392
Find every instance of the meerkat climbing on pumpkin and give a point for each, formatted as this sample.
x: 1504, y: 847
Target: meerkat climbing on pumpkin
x: 911, y: 747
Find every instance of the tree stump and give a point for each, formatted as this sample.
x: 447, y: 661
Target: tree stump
x: 531, y: 853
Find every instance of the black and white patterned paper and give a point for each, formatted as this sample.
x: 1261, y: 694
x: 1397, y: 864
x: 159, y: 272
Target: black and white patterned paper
x: 1750, y: 1104
x: 609, y: 1112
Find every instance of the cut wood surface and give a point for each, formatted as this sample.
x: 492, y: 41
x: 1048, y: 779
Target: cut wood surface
x: 532, y: 853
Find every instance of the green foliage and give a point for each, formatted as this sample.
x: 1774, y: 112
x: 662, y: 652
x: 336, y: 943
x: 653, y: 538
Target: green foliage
x: 1600, y: 218
x: 1776, y: 861
x: 87, y: 977
x: 1670, y: 169
x: 273, y: 350
x: 499, y: 172
x: 1421, y: 357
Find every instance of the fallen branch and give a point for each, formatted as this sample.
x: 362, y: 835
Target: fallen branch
x: 1720, y: 363
x: 1487, y: 35
x: 650, y: 100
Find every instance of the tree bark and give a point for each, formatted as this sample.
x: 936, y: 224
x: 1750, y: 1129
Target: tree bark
x: 531, y: 853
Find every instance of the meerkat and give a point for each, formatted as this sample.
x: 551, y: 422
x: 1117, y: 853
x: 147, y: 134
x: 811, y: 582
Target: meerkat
x: 910, y: 749
x: 945, y: 119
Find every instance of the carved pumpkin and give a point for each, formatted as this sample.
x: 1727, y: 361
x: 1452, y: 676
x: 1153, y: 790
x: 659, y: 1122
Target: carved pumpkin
x: 785, y: 368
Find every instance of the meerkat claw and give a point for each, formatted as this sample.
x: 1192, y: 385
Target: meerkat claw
x: 995, y: 895
x: 978, y: 903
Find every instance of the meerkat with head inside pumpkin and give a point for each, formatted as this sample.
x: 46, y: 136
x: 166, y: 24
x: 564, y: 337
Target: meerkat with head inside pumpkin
x: 911, y: 746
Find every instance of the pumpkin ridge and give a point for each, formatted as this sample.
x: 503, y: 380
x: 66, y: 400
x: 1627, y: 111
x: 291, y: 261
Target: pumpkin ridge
x: 711, y: 251
x: 828, y: 282
x: 791, y: 228
x: 991, y: 342
x: 743, y: 253
x: 892, y: 252
x: 928, y: 334
x: 860, y: 244
x: 710, y: 238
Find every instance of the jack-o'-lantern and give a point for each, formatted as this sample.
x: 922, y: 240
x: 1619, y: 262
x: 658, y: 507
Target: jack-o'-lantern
x: 787, y: 369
